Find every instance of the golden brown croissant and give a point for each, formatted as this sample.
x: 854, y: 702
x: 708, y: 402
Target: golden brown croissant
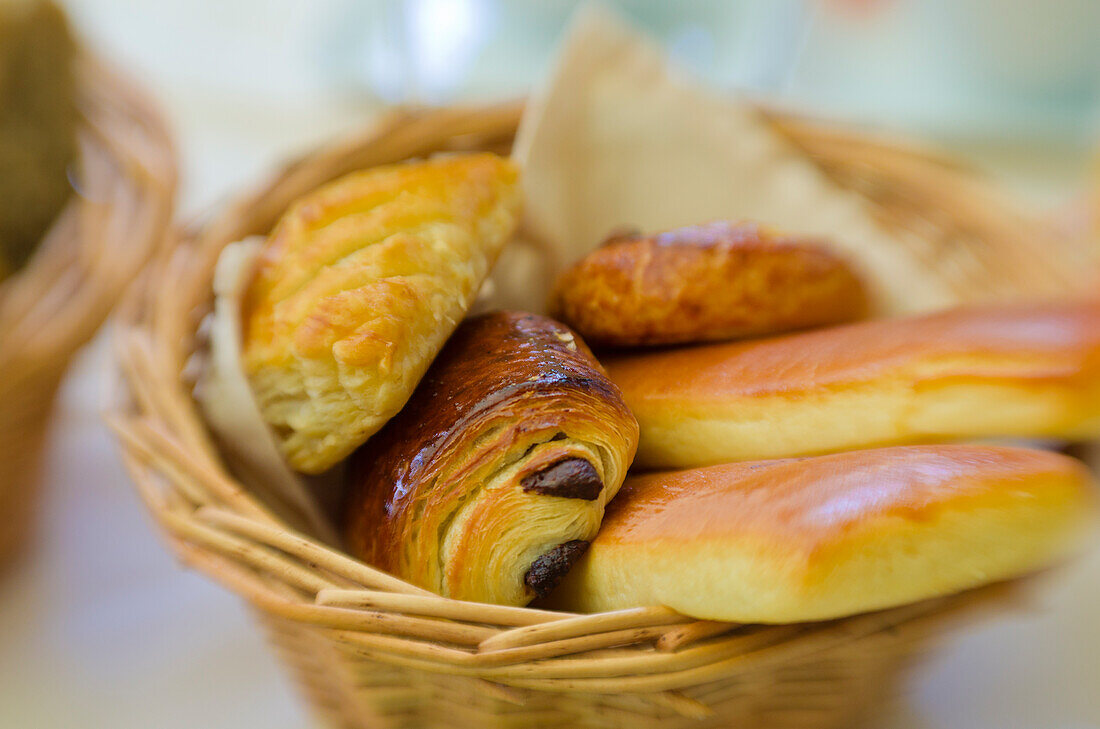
x: 358, y: 288
x: 227, y: 402
x: 489, y: 483
x: 818, y: 538
x: 705, y: 283
x: 1012, y: 371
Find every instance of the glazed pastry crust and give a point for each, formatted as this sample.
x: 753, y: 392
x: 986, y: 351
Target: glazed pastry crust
x: 1011, y: 371
x: 359, y: 286
x: 705, y: 283
x: 825, y: 537
x: 504, y: 457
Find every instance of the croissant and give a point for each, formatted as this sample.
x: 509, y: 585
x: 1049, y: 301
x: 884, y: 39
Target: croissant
x: 1008, y: 371
x: 359, y: 286
x: 820, y: 538
x: 223, y: 393
x: 705, y: 283
x: 490, y: 482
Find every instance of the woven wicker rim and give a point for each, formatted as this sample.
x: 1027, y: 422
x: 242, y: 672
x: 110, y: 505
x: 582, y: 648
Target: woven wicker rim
x: 51, y: 308
x: 213, y: 524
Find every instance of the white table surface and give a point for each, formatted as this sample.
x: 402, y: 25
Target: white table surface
x: 99, y: 627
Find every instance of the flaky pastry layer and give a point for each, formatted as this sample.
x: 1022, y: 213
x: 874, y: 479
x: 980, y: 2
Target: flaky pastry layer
x: 491, y: 480
x: 705, y: 283
x: 359, y: 286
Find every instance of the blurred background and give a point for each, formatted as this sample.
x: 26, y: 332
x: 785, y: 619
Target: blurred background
x: 981, y: 75
x: 99, y: 628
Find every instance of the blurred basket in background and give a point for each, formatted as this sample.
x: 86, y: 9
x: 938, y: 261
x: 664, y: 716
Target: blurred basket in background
x: 372, y: 651
x: 126, y: 178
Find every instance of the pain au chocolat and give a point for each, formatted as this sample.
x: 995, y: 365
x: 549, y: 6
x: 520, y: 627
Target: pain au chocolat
x: 1009, y: 371
x: 357, y: 289
x: 490, y: 482
x: 819, y: 538
x: 705, y: 283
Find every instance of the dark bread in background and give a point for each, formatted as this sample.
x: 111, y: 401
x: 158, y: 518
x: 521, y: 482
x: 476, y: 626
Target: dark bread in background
x: 38, y: 118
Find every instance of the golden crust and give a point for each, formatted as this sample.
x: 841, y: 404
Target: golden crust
x: 705, y: 283
x: 359, y: 286
x: 1013, y: 371
x: 503, y: 457
x: 819, y: 538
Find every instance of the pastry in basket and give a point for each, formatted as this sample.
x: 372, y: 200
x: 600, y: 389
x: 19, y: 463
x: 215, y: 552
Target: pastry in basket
x: 816, y: 538
x: 705, y: 283
x: 1009, y: 371
x: 230, y: 408
x: 357, y: 289
x: 489, y: 483
x: 38, y: 118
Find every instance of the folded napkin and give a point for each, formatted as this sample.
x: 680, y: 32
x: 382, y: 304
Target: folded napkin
x: 620, y: 138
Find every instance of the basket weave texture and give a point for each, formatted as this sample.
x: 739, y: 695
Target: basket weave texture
x: 99, y: 242
x: 372, y: 651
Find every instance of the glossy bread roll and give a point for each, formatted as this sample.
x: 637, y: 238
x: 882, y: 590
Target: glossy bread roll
x: 1012, y: 371
x: 705, y: 283
x: 359, y: 286
x: 490, y: 482
x: 818, y: 538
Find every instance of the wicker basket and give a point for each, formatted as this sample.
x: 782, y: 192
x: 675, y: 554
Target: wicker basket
x: 99, y: 242
x: 372, y: 651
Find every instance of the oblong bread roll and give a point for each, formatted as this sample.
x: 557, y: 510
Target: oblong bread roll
x: 489, y: 483
x: 818, y: 538
x: 1008, y: 371
x: 706, y: 283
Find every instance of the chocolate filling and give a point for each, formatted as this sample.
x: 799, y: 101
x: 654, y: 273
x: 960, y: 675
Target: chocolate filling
x: 571, y: 478
x: 549, y: 569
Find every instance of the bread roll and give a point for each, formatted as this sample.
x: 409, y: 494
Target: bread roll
x: 359, y: 286
x: 705, y: 283
x: 490, y: 482
x: 818, y: 538
x: 1010, y: 371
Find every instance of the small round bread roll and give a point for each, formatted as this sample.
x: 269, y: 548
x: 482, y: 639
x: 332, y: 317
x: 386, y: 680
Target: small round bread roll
x: 705, y: 283
x: 359, y: 286
x: 489, y: 483
x: 1012, y: 371
x: 820, y: 538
